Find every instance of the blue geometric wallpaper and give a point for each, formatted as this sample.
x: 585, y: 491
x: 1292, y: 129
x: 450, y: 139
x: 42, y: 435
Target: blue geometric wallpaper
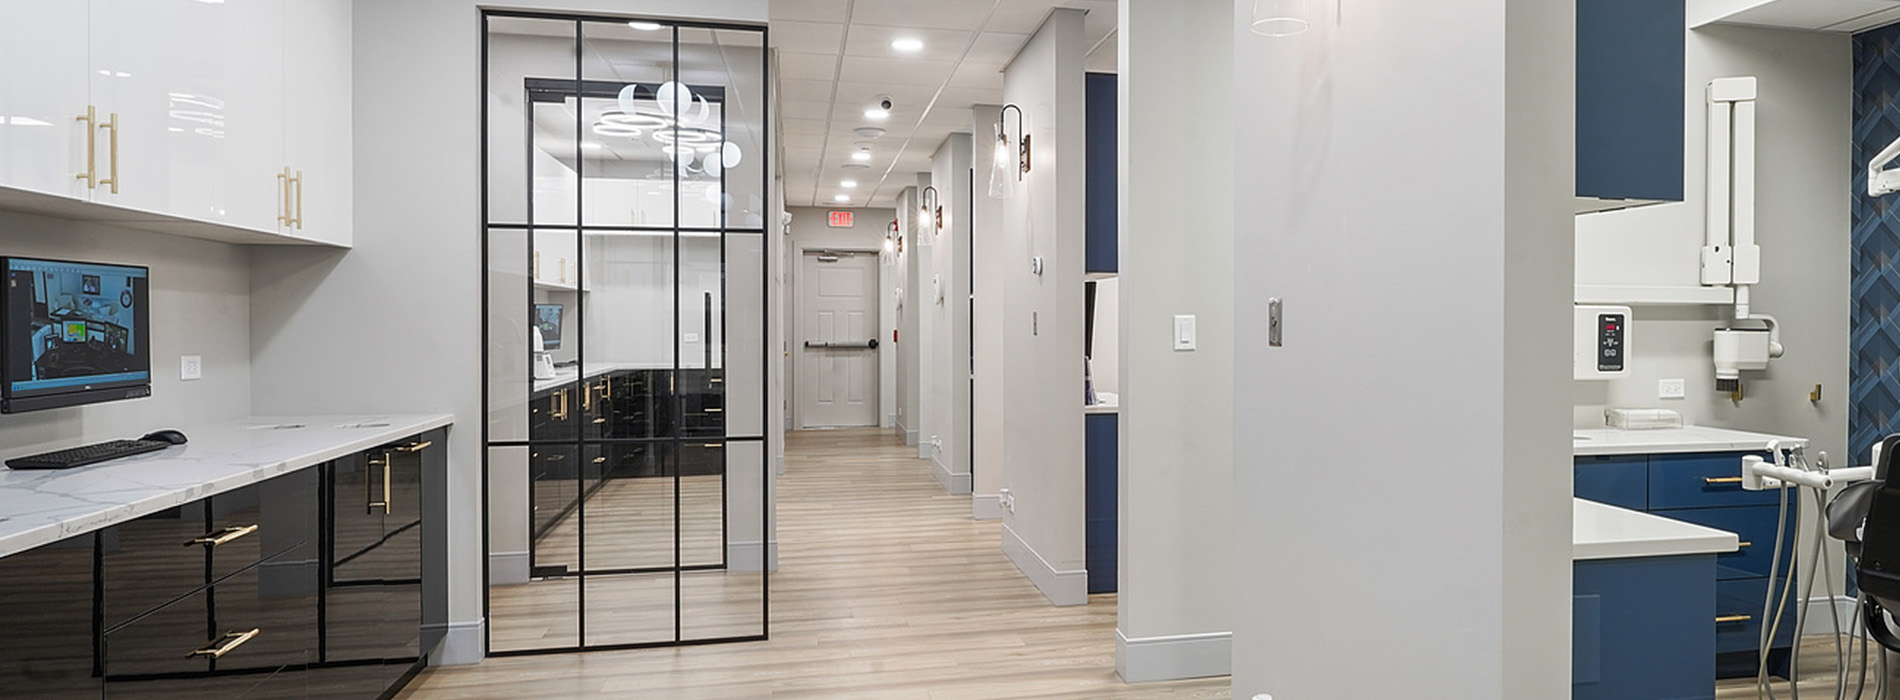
x: 1874, y: 377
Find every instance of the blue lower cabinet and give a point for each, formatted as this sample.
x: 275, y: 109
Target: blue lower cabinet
x: 1101, y: 436
x: 1701, y: 481
x: 1621, y: 481
x: 1641, y: 630
x: 1755, y: 526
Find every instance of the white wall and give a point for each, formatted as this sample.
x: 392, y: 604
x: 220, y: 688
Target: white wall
x: 1436, y: 542
x: 991, y: 261
x: 811, y: 230
x: 200, y: 305
x: 1803, y: 176
x: 949, y: 370
x: 417, y: 257
x: 1042, y: 316
x: 1176, y: 199
x: 910, y: 340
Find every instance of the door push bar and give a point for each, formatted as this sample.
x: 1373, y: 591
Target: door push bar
x: 866, y: 345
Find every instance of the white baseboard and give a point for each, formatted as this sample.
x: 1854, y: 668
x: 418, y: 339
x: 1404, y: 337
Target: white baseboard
x: 461, y: 643
x: 926, y: 450
x: 1820, y: 622
x: 987, y: 506
x: 1060, y: 587
x: 910, y: 437
x: 508, y: 568
x: 954, y: 484
x: 747, y: 556
x: 1173, y: 657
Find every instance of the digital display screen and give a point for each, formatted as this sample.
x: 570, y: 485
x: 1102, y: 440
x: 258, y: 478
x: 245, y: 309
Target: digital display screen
x: 547, y: 317
x: 73, y: 326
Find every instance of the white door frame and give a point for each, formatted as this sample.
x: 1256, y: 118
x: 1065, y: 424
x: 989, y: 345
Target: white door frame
x: 795, y: 330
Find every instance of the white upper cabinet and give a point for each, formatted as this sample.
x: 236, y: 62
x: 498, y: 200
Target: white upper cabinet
x: 317, y: 108
x: 203, y: 114
x: 43, y: 88
x: 1843, y: 16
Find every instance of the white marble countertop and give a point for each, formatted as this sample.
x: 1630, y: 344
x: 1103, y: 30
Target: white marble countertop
x: 564, y: 376
x: 1602, y: 531
x: 43, y: 506
x: 1613, y: 441
x: 1106, y: 402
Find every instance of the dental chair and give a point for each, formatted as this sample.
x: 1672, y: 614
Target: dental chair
x: 1866, y: 516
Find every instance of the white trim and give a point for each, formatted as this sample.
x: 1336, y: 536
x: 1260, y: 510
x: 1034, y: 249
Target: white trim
x: 795, y: 410
x: 987, y: 506
x: 461, y: 643
x: 1819, y: 622
x: 1060, y: 587
x: 953, y: 484
x: 745, y: 556
x: 1173, y: 657
x: 508, y: 568
x: 926, y: 450
x: 910, y: 438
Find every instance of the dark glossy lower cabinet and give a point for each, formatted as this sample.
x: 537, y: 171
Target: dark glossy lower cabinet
x: 308, y: 585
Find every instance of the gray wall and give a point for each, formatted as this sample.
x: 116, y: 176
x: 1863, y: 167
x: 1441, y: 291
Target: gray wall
x: 991, y: 262
x: 1042, y: 318
x: 319, y: 321
x: 1403, y: 162
x: 200, y: 305
x: 949, y: 370
x: 909, y: 330
x: 1177, y: 448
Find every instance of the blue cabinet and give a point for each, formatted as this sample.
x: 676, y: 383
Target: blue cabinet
x: 1703, y: 488
x: 1100, y: 175
x: 1630, y: 98
x: 1639, y: 628
x: 1101, y: 485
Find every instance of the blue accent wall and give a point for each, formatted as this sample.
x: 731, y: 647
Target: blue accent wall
x: 1102, y: 221
x: 1874, y: 372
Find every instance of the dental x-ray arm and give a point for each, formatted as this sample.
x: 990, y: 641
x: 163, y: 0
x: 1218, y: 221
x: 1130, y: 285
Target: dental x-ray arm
x: 1881, y: 180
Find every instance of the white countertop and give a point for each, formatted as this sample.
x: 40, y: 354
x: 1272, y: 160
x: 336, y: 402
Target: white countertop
x: 43, y: 506
x: 564, y: 376
x: 1106, y: 402
x: 1602, y: 531
x: 1613, y: 441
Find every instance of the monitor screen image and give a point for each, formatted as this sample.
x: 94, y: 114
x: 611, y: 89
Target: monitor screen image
x: 74, y: 332
x: 547, y: 317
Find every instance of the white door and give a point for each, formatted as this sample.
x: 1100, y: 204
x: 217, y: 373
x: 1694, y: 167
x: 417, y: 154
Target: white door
x: 837, y: 376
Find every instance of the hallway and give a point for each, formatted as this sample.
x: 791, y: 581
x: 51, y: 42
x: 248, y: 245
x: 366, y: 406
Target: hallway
x: 886, y: 590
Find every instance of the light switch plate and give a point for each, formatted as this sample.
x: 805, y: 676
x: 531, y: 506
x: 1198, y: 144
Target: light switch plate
x: 692, y: 337
x: 1184, y: 335
x: 190, y: 368
x: 1671, y: 389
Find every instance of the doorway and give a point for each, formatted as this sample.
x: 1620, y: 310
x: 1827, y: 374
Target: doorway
x: 838, y: 356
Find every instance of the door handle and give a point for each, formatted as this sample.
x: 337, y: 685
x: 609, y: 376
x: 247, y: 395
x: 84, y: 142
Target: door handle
x: 91, y: 118
x: 817, y: 344
x: 112, y: 151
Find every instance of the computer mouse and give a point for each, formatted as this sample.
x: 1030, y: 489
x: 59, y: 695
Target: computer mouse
x: 171, y: 436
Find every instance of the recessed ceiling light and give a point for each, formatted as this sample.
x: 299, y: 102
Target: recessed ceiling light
x: 908, y: 45
x: 868, y: 132
x: 647, y: 26
x: 855, y: 166
x: 861, y: 156
x: 849, y: 184
x: 841, y: 198
x: 877, y: 114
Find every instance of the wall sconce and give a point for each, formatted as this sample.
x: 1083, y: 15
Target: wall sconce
x: 890, y: 240
x: 1280, y: 18
x: 932, y: 211
x: 1002, y: 180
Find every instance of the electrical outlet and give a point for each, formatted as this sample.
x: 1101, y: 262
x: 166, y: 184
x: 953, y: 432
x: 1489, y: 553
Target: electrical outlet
x: 1671, y: 389
x: 190, y: 368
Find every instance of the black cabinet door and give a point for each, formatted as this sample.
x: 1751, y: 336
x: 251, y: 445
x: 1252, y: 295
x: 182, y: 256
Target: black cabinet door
x: 373, y: 600
x: 46, y: 596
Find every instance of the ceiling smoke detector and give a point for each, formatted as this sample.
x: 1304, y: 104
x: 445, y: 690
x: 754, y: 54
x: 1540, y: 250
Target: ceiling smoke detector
x: 869, y: 132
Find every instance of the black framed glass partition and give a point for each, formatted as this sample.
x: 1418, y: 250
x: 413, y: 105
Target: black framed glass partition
x: 625, y: 327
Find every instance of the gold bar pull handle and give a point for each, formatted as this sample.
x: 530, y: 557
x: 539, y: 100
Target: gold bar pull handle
x: 1714, y: 480
x: 283, y: 204
x: 112, y: 150
x: 91, y: 176
x: 1744, y: 545
x: 214, y: 539
x: 1726, y: 619
x: 224, y: 645
x: 712, y: 446
x: 370, y: 504
x: 297, y: 220
x: 414, y: 447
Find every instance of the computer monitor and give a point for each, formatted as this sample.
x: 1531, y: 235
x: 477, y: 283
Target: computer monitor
x: 73, y: 333
x: 547, y: 317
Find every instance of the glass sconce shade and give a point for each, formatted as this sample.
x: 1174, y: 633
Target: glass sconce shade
x: 1278, y: 18
x: 1003, y: 169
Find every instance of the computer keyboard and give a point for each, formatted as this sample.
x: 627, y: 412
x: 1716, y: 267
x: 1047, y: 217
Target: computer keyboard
x: 86, y: 454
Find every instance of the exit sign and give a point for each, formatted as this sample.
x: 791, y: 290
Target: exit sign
x: 841, y: 219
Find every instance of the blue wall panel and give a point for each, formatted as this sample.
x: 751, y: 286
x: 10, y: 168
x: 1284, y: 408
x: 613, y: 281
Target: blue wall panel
x: 1101, y: 460
x: 1629, y: 98
x: 1102, y: 219
x: 1874, y: 373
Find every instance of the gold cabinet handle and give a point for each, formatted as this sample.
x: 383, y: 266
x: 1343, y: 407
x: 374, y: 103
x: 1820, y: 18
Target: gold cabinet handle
x: 112, y: 149
x: 224, y: 645
x: 712, y: 446
x: 1725, y: 619
x: 369, y: 487
x: 213, y: 539
x: 297, y: 220
x: 283, y: 205
x: 415, y: 446
x: 1744, y: 545
x: 1713, y: 480
x: 91, y: 118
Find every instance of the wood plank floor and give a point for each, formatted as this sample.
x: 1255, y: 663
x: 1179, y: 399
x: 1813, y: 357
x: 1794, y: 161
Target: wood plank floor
x: 886, y: 590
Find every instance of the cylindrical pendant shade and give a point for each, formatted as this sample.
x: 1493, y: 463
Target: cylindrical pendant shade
x: 1281, y: 17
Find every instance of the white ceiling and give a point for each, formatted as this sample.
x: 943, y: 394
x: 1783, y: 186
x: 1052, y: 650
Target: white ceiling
x: 835, y: 59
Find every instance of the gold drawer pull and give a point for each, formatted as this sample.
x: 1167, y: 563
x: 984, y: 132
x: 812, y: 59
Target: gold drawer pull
x: 1743, y: 545
x: 712, y: 446
x: 1724, y: 619
x: 715, y: 410
x: 416, y: 446
x: 224, y: 645
x: 222, y: 536
x: 1713, y: 480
